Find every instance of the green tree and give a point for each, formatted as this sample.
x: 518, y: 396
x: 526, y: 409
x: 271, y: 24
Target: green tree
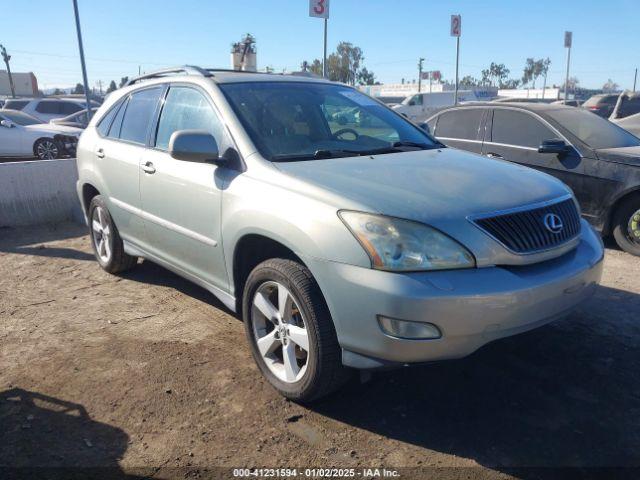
x: 365, y: 77
x: 123, y: 81
x: 112, y: 87
x: 610, y: 86
x: 495, y: 75
x: 344, y: 65
x: 79, y: 89
x: 469, y: 81
x: 57, y: 91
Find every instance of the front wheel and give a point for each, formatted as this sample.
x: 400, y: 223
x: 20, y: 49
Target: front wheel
x: 626, y: 225
x: 290, y: 331
x: 46, y: 149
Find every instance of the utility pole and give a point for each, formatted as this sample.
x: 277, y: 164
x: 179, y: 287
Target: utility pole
x: 82, y: 63
x: 420, y: 74
x: 568, y: 40
x: 6, y: 59
x: 324, y: 54
x: 635, y: 79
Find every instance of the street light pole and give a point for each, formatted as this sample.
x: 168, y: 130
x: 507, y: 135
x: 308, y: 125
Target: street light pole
x: 6, y: 59
x: 455, y: 98
x: 82, y: 62
x: 420, y: 74
x: 635, y: 78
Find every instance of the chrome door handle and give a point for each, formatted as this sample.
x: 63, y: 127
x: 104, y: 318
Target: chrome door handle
x: 148, y: 168
x: 100, y: 153
x: 495, y: 155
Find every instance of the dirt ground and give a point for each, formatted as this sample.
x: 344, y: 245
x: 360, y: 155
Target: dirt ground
x: 150, y: 376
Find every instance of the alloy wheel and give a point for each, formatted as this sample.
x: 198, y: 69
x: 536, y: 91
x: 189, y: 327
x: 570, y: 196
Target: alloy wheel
x: 633, y: 228
x: 47, y: 150
x: 280, y: 332
x: 101, y: 233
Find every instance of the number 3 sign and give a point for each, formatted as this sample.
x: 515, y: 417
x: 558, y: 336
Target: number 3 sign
x: 319, y: 8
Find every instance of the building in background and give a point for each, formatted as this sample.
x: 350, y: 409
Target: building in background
x: 533, y: 93
x: 403, y: 90
x: 244, y: 54
x: 26, y: 84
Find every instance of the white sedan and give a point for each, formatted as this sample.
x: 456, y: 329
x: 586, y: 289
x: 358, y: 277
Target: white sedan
x: 22, y: 135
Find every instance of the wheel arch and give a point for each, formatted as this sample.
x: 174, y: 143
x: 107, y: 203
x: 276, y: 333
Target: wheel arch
x: 608, y: 226
x: 249, y: 251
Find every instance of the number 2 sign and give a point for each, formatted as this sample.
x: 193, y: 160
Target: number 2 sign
x: 319, y: 8
x: 456, y: 25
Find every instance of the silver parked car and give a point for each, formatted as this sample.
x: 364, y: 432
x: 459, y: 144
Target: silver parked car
x: 364, y: 244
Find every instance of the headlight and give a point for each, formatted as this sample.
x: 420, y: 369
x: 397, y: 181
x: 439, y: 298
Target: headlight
x: 403, y: 245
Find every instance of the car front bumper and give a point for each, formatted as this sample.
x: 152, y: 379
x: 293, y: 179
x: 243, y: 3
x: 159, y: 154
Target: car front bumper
x: 470, y: 307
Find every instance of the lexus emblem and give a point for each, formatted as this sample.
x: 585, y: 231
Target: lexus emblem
x: 553, y: 223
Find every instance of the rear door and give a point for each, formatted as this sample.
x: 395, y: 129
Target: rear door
x: 461, y: 128
x: 515, y: 135
x: 119, y: 155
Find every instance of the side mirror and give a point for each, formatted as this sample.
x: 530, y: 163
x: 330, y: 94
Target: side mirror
x: 193, y: 146
x: 425, y: 126
x: 554, y: 145
x: 7, y: 124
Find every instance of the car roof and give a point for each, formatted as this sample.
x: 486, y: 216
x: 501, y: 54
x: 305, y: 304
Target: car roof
x: 223, y: 76
x: 536, y: 107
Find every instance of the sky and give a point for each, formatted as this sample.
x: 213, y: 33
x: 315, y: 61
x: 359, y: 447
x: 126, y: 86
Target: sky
x: 121, y: 36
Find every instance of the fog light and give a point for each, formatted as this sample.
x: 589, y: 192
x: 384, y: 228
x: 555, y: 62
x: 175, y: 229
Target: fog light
x: 409, y: 330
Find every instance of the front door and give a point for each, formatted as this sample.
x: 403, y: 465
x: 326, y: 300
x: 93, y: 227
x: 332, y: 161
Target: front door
x: 515, y: 136
x: 12, y: 141
x: 181, y: 201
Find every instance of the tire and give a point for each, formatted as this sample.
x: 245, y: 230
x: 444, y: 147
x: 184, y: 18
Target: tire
x: 626, y: 225
x: 105, y: 239
x: 322, y: 371
x: 47, y: 149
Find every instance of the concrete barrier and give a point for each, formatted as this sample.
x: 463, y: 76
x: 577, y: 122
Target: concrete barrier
x: 39, y: 191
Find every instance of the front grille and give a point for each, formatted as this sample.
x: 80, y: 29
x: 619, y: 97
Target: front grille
x: 525, y: 231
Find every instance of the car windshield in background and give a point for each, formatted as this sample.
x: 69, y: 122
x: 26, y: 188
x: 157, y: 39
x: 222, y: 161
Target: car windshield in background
x: 15, y: 104
x: 19, y: 118
x: 296, y: 121
x: 593, y: 130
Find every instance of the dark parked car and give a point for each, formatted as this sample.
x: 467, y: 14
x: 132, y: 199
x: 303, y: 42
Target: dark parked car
x: 597, y: 159
x: 601, y: 104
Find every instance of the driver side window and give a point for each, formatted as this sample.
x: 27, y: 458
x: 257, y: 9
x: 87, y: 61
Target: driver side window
x: 343, y: 115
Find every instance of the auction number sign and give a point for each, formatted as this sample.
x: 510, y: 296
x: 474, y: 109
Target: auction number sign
x: 319, y: 8
x: 456, y: 25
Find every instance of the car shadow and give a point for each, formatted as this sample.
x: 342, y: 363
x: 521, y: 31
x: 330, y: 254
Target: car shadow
x: 46, y: 437
x: 33, y: 240
x: 564, y: 395
x: 154, y: 274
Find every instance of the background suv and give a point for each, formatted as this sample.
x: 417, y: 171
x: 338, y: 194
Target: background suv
x: 343, y: 234
x: 46, y: 109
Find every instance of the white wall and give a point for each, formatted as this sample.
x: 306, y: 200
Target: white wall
x: 35, y: 192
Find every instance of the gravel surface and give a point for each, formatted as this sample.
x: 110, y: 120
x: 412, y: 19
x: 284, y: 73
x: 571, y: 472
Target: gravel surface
x: 149, y: 375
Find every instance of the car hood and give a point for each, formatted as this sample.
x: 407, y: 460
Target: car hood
x: 429, y: 185
x: 54, y: 129
x: 626, y: 155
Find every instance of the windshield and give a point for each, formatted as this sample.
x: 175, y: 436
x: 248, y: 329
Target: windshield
x: 295, y: 121
x: 19, y: 118
x: 593, y: 130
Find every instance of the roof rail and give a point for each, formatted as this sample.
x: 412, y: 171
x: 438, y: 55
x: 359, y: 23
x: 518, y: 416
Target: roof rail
x: 185, y: 69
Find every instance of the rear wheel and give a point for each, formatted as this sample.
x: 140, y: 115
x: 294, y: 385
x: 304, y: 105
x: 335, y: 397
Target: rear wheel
x: 626, y: 225
x: 290, y: 331
x: 105, y: 239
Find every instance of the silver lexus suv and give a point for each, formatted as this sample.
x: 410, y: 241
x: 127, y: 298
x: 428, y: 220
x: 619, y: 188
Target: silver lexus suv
x: 345, y: 236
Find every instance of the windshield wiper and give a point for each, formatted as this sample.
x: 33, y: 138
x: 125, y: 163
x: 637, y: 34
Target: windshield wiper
x: 423, y: 146
x: 319, y: 154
